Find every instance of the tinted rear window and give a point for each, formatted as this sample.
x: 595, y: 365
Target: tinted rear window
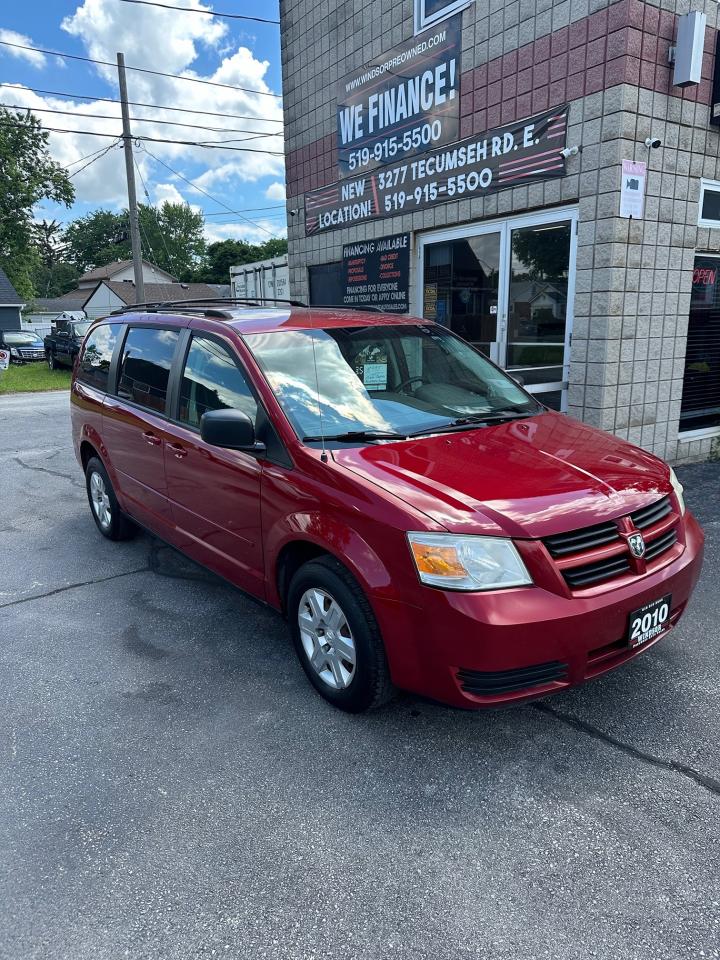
x: 145, y: 366
x: 97, y: 355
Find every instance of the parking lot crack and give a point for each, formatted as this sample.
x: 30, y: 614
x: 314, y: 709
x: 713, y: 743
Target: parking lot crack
x: 53, y: 473
x: 690, y: 773
x: 73, y: 586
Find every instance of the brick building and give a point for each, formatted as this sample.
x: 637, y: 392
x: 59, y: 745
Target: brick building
x: 614, y: 319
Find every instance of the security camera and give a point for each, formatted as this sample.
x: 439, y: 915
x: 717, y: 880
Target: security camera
x: 293, y: 213
x: 570, y: 152
x: 652, y: 143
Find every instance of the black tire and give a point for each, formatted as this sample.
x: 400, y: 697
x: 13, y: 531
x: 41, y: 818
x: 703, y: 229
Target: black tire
x: 51, y: 361
x: 369, y: 686
x: 112, y: 524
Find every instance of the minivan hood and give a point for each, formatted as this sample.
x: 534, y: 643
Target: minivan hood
x: 523, y: 478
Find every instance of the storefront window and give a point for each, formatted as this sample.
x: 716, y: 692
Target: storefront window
x: 700, y: 407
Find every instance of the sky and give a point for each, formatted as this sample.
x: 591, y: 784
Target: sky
x: 234, y: 52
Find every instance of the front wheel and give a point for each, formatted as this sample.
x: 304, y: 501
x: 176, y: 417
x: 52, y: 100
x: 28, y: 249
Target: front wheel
x: 109, y: 519
x: 337, y: 638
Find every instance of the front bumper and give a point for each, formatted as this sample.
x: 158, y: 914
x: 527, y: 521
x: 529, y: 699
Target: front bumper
x: 476, y: 650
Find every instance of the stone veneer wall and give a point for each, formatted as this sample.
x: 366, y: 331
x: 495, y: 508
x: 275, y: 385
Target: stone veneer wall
x: 609, y: 60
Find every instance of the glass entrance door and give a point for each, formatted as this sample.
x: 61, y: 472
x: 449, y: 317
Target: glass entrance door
x: 537, y: 308
x: 507, y: 288
x: 461, y: 285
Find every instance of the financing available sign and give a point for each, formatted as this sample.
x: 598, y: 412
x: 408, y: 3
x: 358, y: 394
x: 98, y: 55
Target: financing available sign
x: 401, y: 105
x: 509, y: 156
x: 376, y: 273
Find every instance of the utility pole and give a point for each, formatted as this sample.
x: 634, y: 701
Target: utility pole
x: 132, y: 196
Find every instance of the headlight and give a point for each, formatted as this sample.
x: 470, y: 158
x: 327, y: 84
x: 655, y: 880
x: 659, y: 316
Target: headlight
x: 678, y: 490
x: 467, y: 563
x: 13, y: 352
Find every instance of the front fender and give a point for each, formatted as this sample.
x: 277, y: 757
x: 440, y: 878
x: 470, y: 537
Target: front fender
x: 334, y: 537
x: 392, y: 593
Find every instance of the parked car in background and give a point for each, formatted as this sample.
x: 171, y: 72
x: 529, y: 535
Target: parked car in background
x: 24, y: 345
x: 63, y: 344
x: 420, y: 519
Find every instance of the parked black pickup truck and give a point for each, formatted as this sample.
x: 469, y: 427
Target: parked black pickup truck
x: 63, y: 345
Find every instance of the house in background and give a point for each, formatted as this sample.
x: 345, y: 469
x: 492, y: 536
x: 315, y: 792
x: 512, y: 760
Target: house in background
x: 10, y: 305
x: 110, y: 295
x: 44, y: 312
x: 120, y: 271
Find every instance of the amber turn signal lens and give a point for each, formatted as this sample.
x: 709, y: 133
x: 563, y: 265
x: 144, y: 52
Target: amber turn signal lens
x: 438, y: 561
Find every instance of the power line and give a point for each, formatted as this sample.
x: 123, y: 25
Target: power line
x: 172, y: 123
x: 155, y: 214
x: 276, y: 206
x: 217, y: 145
x: 94, y: 159
x: 156, y: 73
x: 136, y: 103
x: 86, y: 157
x: 211, y: 13
x: 208, y: 195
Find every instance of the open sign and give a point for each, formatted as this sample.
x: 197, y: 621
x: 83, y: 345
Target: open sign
x: 4, y: 359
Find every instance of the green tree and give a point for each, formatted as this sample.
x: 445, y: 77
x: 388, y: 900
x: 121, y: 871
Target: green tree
x: 172, y: 238
x: 27, y: 175
x: 97, y: 239
x: 233, y: 253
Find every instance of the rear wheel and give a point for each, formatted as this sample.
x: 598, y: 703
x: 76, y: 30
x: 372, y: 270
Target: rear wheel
x: 109, y: 519
x: 337, y: 638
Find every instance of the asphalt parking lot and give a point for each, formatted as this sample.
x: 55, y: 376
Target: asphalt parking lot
x: 171, y: 786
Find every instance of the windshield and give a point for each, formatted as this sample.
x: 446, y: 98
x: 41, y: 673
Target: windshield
x: 19, y: 338
x: 397, y: 379
x: 81, y: 328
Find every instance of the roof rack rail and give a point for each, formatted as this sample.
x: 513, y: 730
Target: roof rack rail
x: 158, y: 305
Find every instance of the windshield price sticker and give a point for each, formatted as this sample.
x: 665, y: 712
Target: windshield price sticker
x: 402, y: 104
x: 509, y: 156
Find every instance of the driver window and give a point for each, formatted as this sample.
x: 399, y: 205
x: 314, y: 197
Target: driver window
x: 212, y: 381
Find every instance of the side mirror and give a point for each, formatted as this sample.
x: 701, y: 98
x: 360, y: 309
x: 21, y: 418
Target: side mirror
x: 231, y: 429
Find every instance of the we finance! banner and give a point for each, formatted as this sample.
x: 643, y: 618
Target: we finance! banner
x: 403, y: 104
x: 518, y: 153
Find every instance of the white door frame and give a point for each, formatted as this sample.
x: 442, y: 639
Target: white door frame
x: 504, y: 226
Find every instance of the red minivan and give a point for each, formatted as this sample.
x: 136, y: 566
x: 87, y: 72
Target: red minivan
x: 419, y: 518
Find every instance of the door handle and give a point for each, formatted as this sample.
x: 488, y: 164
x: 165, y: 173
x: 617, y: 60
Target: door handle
x: 150, y: 438
x: 177, y: 450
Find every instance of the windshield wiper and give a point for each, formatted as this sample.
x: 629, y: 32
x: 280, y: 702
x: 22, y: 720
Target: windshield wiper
x: 474, y: 420
x: 352, y: 435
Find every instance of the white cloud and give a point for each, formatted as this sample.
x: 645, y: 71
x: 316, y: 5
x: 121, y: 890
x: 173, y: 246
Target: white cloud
x: 32, y: 57
x: 171, y: 43
x: 167, y: 193
x: 257, y: 232
x: 276, y: 191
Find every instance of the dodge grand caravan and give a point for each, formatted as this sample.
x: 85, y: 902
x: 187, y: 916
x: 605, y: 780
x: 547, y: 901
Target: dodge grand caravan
x: 419, y: 518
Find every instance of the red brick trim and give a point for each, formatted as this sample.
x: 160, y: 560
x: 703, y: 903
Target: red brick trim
x: 626, y: 42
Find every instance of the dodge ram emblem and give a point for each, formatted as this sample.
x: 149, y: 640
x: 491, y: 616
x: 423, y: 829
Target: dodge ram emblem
x: 637, y: 545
